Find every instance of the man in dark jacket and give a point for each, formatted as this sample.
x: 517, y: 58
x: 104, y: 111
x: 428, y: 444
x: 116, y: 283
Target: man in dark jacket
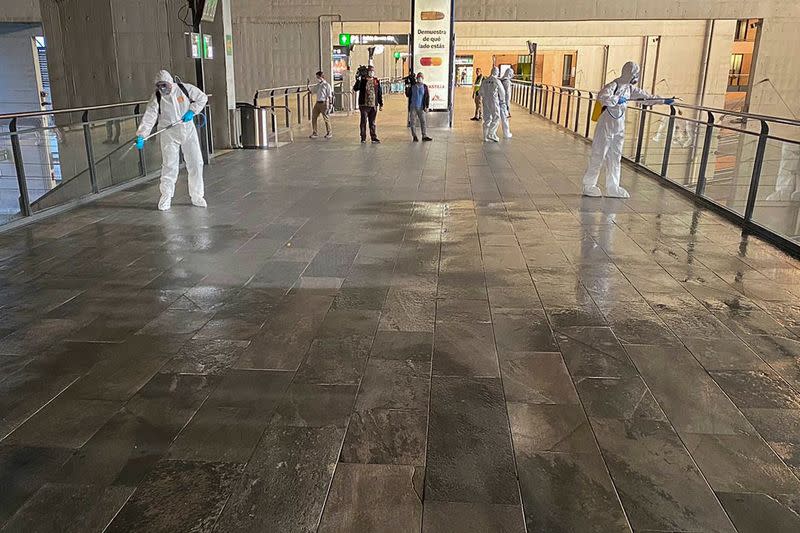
x: 370, y: 99
x: 419, y: 100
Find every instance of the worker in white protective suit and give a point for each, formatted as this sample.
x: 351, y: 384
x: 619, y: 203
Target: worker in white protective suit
x: 787, y: 184
x: 505, y: 112
x: 175, y: 103
x: 610, y: 132
x: 494, y: 97
x: 508, y: 75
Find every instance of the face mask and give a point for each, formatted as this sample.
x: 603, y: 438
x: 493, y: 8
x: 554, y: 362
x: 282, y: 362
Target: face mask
x: 164, y: 88
x: 420, y: 80
x: 319, y: 79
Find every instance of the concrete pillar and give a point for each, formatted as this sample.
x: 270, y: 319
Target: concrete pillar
x: 130, y: 41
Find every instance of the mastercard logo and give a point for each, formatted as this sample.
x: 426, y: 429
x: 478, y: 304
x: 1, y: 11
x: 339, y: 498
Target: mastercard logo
x: 431, y: 61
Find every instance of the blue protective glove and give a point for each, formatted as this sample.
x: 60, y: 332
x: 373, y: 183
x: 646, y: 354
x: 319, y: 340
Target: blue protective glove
x: 139, y: 142
x: 188, y: 116
x: 669, y: 101
x: 621, y: 100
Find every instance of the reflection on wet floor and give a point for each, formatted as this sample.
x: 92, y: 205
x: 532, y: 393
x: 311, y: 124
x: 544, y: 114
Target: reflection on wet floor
x: 405, y: 337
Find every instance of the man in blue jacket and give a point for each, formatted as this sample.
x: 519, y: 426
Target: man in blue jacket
x: 419, y: 100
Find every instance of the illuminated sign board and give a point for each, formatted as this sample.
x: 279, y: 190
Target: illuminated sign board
x: 432, y: 37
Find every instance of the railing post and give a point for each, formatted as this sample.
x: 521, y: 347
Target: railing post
x: 569, y: 104
x: 532, y: 100
x: 589, y: 114
x: 299, y: 108
x: 142, y: 160
x: 668, y: 145
x: 757, y: 164
x: 701, y: 174
x: 577, y: 110
x: 286, y: 105
x: 552, y: 103
x: 87, y: 138
x: 22, y: 183
x: 272, y: 105
x: 640, y: 138
x: 558, y: 113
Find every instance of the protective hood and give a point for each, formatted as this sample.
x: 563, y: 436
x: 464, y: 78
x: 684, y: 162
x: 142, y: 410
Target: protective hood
x: 630, y: 70
x: 508, y: 74
x: 163, y: 76
x: 495, y: 71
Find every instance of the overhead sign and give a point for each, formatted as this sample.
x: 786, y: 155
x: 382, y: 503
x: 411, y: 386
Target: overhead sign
x: 209, y: 10
x: 341, y: 62
x: 432, y: 36
x: 346, y: 39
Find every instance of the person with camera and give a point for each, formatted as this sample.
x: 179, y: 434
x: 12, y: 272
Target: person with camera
x: 370, y: 99
x: 419, y: 100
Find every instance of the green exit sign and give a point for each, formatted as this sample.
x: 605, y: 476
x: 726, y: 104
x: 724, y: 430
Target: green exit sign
x: 344, y: 39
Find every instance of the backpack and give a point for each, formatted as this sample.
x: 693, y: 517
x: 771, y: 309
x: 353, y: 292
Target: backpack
x: 182, y: 87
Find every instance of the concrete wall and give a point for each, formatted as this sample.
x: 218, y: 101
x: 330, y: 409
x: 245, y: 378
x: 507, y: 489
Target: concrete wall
x: 20, y: 11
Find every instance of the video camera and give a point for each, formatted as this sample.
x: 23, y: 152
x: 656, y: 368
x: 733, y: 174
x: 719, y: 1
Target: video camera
x: 410, y: 80
x: 361, y: 72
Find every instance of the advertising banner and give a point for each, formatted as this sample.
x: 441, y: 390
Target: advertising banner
x: 432, y: 36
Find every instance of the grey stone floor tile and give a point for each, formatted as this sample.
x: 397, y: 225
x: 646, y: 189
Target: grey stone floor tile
x: 755, y: 513
x: 657, y: 481
x: 443, y: 517
x: 403, y: 345
x: 69, y: 508
x: 23, y: 470
x: 469, y: 445
x: 390, y: 384
x: 626, y: 398
x: 335, y: 361
x: 594, y: 352
x: 257, y: 390
x: 287, y: 335
x: 757, y: 389
x: 781, y: 429
x: 284, y: 485
x: 380, y: 498
x: 64, y: 423
x: 592, y: 504
x: 219, y: 434
x: 408, y: 310
x: 691, y: 399
x: 386, y: 436
x: 207, y: 357
x: 537, y: 378
x: 315, y: 405
x: 464, y: 349
x: 740, y: 463
x: 522, y: 331
x: 550, y: 428
x: 724, y: 354
x: 178, y: 495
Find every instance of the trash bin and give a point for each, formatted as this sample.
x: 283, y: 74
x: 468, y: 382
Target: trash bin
x: 255, y: 125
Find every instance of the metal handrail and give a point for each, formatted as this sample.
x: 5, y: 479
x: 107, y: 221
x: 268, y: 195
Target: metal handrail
x: 28, y: 114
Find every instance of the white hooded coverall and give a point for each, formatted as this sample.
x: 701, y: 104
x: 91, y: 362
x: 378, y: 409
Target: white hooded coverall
x: 505, y: 112
x: 494, y: 97
x: 787, y: 185
x: 610, y: 133
x: 183, y: 136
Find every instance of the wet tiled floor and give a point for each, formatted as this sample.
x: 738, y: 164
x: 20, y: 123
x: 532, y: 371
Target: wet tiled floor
x: 438, y: 337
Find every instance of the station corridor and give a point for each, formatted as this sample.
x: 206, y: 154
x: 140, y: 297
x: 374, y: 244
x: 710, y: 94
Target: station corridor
x: 404, y: 337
